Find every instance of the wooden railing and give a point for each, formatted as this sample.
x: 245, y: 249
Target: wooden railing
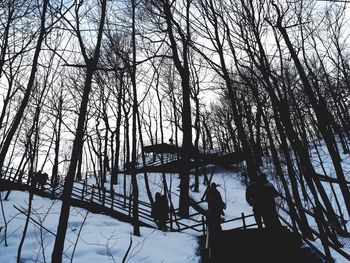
x: 112, y: 201
x: 325, y: 240
x: 206, y: 231
x: 105, y: 200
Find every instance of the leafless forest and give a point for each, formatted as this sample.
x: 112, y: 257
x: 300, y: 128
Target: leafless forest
x: 85, y: 85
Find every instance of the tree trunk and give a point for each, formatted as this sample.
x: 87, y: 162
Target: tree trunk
x: 135, y: 189
x: 25, y: 100
x: 323, y: 118
x: 91, y: 65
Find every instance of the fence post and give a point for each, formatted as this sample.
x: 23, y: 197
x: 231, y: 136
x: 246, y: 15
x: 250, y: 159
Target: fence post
x: 82, y: 192
x: 112, y: 196
x: 172, y: 217
x: 29, y: 180
x: 20, y: 176
x: 203, y: 225
x: 103, y: 195
x: 130, y: 206
x: 92, y: 193
x: 243, y: 219
x: 11, y: 175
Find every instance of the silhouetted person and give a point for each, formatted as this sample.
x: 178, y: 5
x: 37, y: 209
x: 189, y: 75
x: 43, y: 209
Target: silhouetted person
x: 39, y: 179
x: 215, y: 208
x: 160, y: 211
x: 251, y: 195
x: 267, y: 195
x: 44, y: 178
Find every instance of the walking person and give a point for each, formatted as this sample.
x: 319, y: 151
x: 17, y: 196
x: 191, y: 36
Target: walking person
x: 39, y: 179
x: 160, y: 211
x: 251, y: 195
x: 268, y: 193
x: 261, y: 194
x: 216, y: 208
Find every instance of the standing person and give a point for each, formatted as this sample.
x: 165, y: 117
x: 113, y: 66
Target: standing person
x: 43, y: 180
x: 160, y: 211
x: 267, y: 196
x: 215, y: 207
x: 251, y: 195
x: 36, y: 179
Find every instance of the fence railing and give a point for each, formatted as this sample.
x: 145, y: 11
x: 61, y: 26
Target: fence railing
x: 322, y: 225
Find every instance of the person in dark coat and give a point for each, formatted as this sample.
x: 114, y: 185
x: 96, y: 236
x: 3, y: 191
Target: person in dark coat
x: 267, y: 196
x: 160, y: 211
x: 216, y: 207
x: 261, y: 194
x: 39, y: 179
x: 251, y: 196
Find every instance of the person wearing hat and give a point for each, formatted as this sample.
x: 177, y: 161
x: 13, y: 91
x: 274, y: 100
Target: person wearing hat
x: 215, y: 207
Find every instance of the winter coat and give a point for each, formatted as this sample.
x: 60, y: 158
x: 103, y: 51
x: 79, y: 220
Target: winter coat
x: 215, y: 202
x: 160, y: 209
x: 261, y: 196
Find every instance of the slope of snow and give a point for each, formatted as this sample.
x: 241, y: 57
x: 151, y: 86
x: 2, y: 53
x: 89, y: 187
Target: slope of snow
x: 102, y: 239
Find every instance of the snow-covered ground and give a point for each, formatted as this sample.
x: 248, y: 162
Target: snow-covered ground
x: 104, y: 239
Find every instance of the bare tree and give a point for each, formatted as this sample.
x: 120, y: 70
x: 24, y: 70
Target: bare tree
x: 91, y: 66
x: 179, y: 38
x: 28, y: 90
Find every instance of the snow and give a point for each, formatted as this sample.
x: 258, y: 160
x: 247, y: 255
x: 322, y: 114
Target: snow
x: 104, y: 239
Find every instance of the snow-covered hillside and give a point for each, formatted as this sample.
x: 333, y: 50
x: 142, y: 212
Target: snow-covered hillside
x: 99, y: 238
